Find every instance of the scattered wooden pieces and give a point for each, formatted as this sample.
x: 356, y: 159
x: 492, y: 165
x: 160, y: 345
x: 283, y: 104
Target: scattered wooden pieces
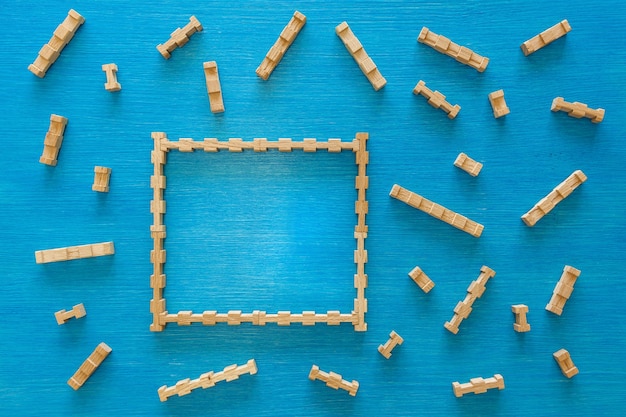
x: 436, y: 210
x: 53, y: 140
x: 179, y: 37
x: 207, y: 380
x: 333, y: 380
x: 546, y: 204
x: 111, y: 74
x: 544, y: 38
x: 213, y: 87
x: 360, y: 56
x: 394, y: 340
x: 74, y: 252
x: 446, y: 46
x: 498, y: 104
x: 63, y: 34
x: 474, y: 291
x: 102, y: 176
x: 284, y: 41
x: 478, y: 385
x: 421, y: 279
x: 89, y: 366
x: 563, y: 358
x: 467, y: 164
x: 78, y: 311
x: 521, y: 324
x: 577, y: 110
x: 563, y: 290
x: 436, y: 99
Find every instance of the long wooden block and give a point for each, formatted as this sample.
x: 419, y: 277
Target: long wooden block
x: 89, y: 366
x: 577, y: 110
x: 478, y: 385
x: 53, y: 140
x: 546, y: 37
x: 474, y: 291
x: 60, y: 38
x: 437, y: 211
x: 213, y: 86
x: 563, y: 290
x: 284, y: 41
x: 444, y: 45
x: 333, y: 380
x: 436, y: 99
x: 179, y: 37
x: 74, y: 252
x: 367, y: 65
x: 546, y: 204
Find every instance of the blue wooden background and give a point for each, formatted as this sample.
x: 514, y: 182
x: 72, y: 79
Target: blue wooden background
x: 273, y: 231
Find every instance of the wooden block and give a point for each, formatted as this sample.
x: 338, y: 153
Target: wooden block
x: 74, y: 252
x: 436, y: 99
x: 577, y: 110
x: 356, y: 50
x: 78, y: 311
x: 179, y: 37
x: 563, y: 290
x: 562, y: 357
x: 89, y: 366
x: 498, y: 104
x: 111, y: 73
x: 474, y: 291
x: 102, y: 176
x: 394, y: 340
x: 284, y: 41
x: 468, y: 165
x: 333, y: 380
x: 478, y: 385
x: 521, y: 323
x: 546, y: 37
x: 53, y: 140
x: 421, y: 279
x: 445, y: 46
x: 213, y: 87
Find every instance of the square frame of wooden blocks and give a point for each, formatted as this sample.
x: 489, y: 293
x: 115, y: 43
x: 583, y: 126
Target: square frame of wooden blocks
x: 161, y: 317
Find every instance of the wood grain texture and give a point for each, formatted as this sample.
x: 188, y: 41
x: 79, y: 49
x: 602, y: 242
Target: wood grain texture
x: 257, y: 234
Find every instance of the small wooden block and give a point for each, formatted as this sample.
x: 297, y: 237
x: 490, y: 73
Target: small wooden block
x: 421, y: 279
x: 102, y: 176
x: 565, y: 362
x: 498, y: 104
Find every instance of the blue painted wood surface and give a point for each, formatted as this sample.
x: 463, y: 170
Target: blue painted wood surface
x: 238, y: 222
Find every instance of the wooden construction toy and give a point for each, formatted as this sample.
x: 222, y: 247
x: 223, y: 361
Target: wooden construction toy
x: 207, y: 380
x: 577, y: 110
x: 179, y: 37
x: 436, y: 210
x: 478, y: 385
x: 421, y: 279
x: 333, y: 380
x: 111, y: 73
x: 521, y: 324
x: 468, y: 165
x: 63, y: 34
x: 546, y: 204
x: 102, y: 176
x: 78, y: 311
x: 360, y: 56
x: 563, y: 290
x: 447, y: 47
x: 394, y: 340
x: 474, y: 291
x: 53, y: 140
x: 498, y: 104
x: 161, y: 317
x: 74, y: 252
x: 213, y: 87
x: 284, y: 41
x: 436, y: 99
x: 89, y: 366
x: 562, y: 357
x: 544, y: 38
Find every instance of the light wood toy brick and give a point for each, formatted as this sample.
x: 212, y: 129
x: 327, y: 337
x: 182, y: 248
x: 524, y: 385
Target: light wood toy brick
x: 478, y: 385
x: 394, y: 340
x: 468, y: 165
x: 179, y: 37
x: 89, y: 366
x: 367, y: 65
x: 284, y: 41
x: 333, y: 380
x: 78, y: 311
x: 577, y: 110
x: 437, y: 211
x: 544, y: 38
x: 563, y: 358
x: 558, y: 194
x: 161, y: 317
x: 421, y: 279
x: 498, y: 104
x: 53, y: 140
x: 74, y: 252
x: 474, y: 291
x: 63, y: 34
x: 102, y: 176
x: 111, y: 73
x: 207, y: 380
x: 436, y: 99
x: 521, y: 323
x: 447, y: 47
x: 563, y: 290
x: 213, y: 86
